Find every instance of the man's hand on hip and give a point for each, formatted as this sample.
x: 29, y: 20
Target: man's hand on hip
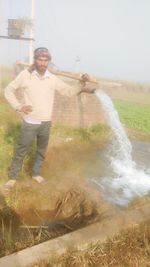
x: 26, y: 109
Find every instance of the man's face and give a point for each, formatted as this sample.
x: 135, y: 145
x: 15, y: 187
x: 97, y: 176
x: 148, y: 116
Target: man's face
x: 41, y: 64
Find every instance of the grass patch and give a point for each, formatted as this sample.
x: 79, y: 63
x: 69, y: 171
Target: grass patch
x: 9, y: 124
x: 133, y: 115
x: 6, y: 80
x: 128, y: 249
x: 82, y: 134
x: 6, y: 74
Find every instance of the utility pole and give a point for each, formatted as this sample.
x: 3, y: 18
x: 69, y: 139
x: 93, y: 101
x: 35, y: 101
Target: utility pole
x: 77, y: 64
x: 79, y: 97
x: 31, y: 42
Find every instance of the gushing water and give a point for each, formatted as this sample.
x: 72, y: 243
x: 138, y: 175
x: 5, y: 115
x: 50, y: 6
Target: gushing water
x: 126, y: 181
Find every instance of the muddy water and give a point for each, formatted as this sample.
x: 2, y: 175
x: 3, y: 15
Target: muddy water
x: 141, y: 154
x: 98, y: 166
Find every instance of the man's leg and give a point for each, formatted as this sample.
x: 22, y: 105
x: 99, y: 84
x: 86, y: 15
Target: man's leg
x: 27, y: 134
x: 42, y: 142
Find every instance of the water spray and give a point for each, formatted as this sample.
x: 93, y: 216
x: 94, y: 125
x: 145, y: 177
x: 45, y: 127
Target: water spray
x: 127, y: 180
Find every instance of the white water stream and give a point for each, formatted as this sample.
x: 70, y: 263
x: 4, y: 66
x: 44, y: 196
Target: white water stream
x: 126, y: 181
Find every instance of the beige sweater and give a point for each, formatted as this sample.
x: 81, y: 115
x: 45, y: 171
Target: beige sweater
x: 37, y: 92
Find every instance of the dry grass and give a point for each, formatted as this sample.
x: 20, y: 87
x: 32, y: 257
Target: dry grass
x: 73, y: 208
x: 6, y: 75
x: 131, y: 248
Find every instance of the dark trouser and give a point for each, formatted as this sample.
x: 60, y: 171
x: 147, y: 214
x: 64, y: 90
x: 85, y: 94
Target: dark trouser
x: 28, y: 133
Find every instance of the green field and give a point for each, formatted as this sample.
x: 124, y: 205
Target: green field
x: 134, y: 116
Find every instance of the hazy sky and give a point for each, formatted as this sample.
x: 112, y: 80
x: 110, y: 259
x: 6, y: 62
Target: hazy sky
x: 111, y: 37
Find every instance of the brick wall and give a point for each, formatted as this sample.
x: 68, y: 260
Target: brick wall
x: 81, y: 111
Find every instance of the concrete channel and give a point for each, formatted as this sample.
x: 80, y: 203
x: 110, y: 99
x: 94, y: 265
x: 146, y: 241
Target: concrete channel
x: 79, y: 239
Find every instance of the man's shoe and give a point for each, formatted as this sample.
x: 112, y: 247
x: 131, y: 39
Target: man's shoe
x: 39, y: 179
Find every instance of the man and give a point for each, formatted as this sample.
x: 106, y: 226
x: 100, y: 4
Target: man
x: 35, y: 106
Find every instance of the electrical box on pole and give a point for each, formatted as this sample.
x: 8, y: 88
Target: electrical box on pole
x: 15, y: 28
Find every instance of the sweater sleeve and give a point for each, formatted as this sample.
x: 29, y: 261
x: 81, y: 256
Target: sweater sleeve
x: 65, y: 89
x: 9, y: 91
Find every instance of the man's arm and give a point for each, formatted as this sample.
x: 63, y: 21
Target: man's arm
x: 9, y: 93
x: 80, y: 87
